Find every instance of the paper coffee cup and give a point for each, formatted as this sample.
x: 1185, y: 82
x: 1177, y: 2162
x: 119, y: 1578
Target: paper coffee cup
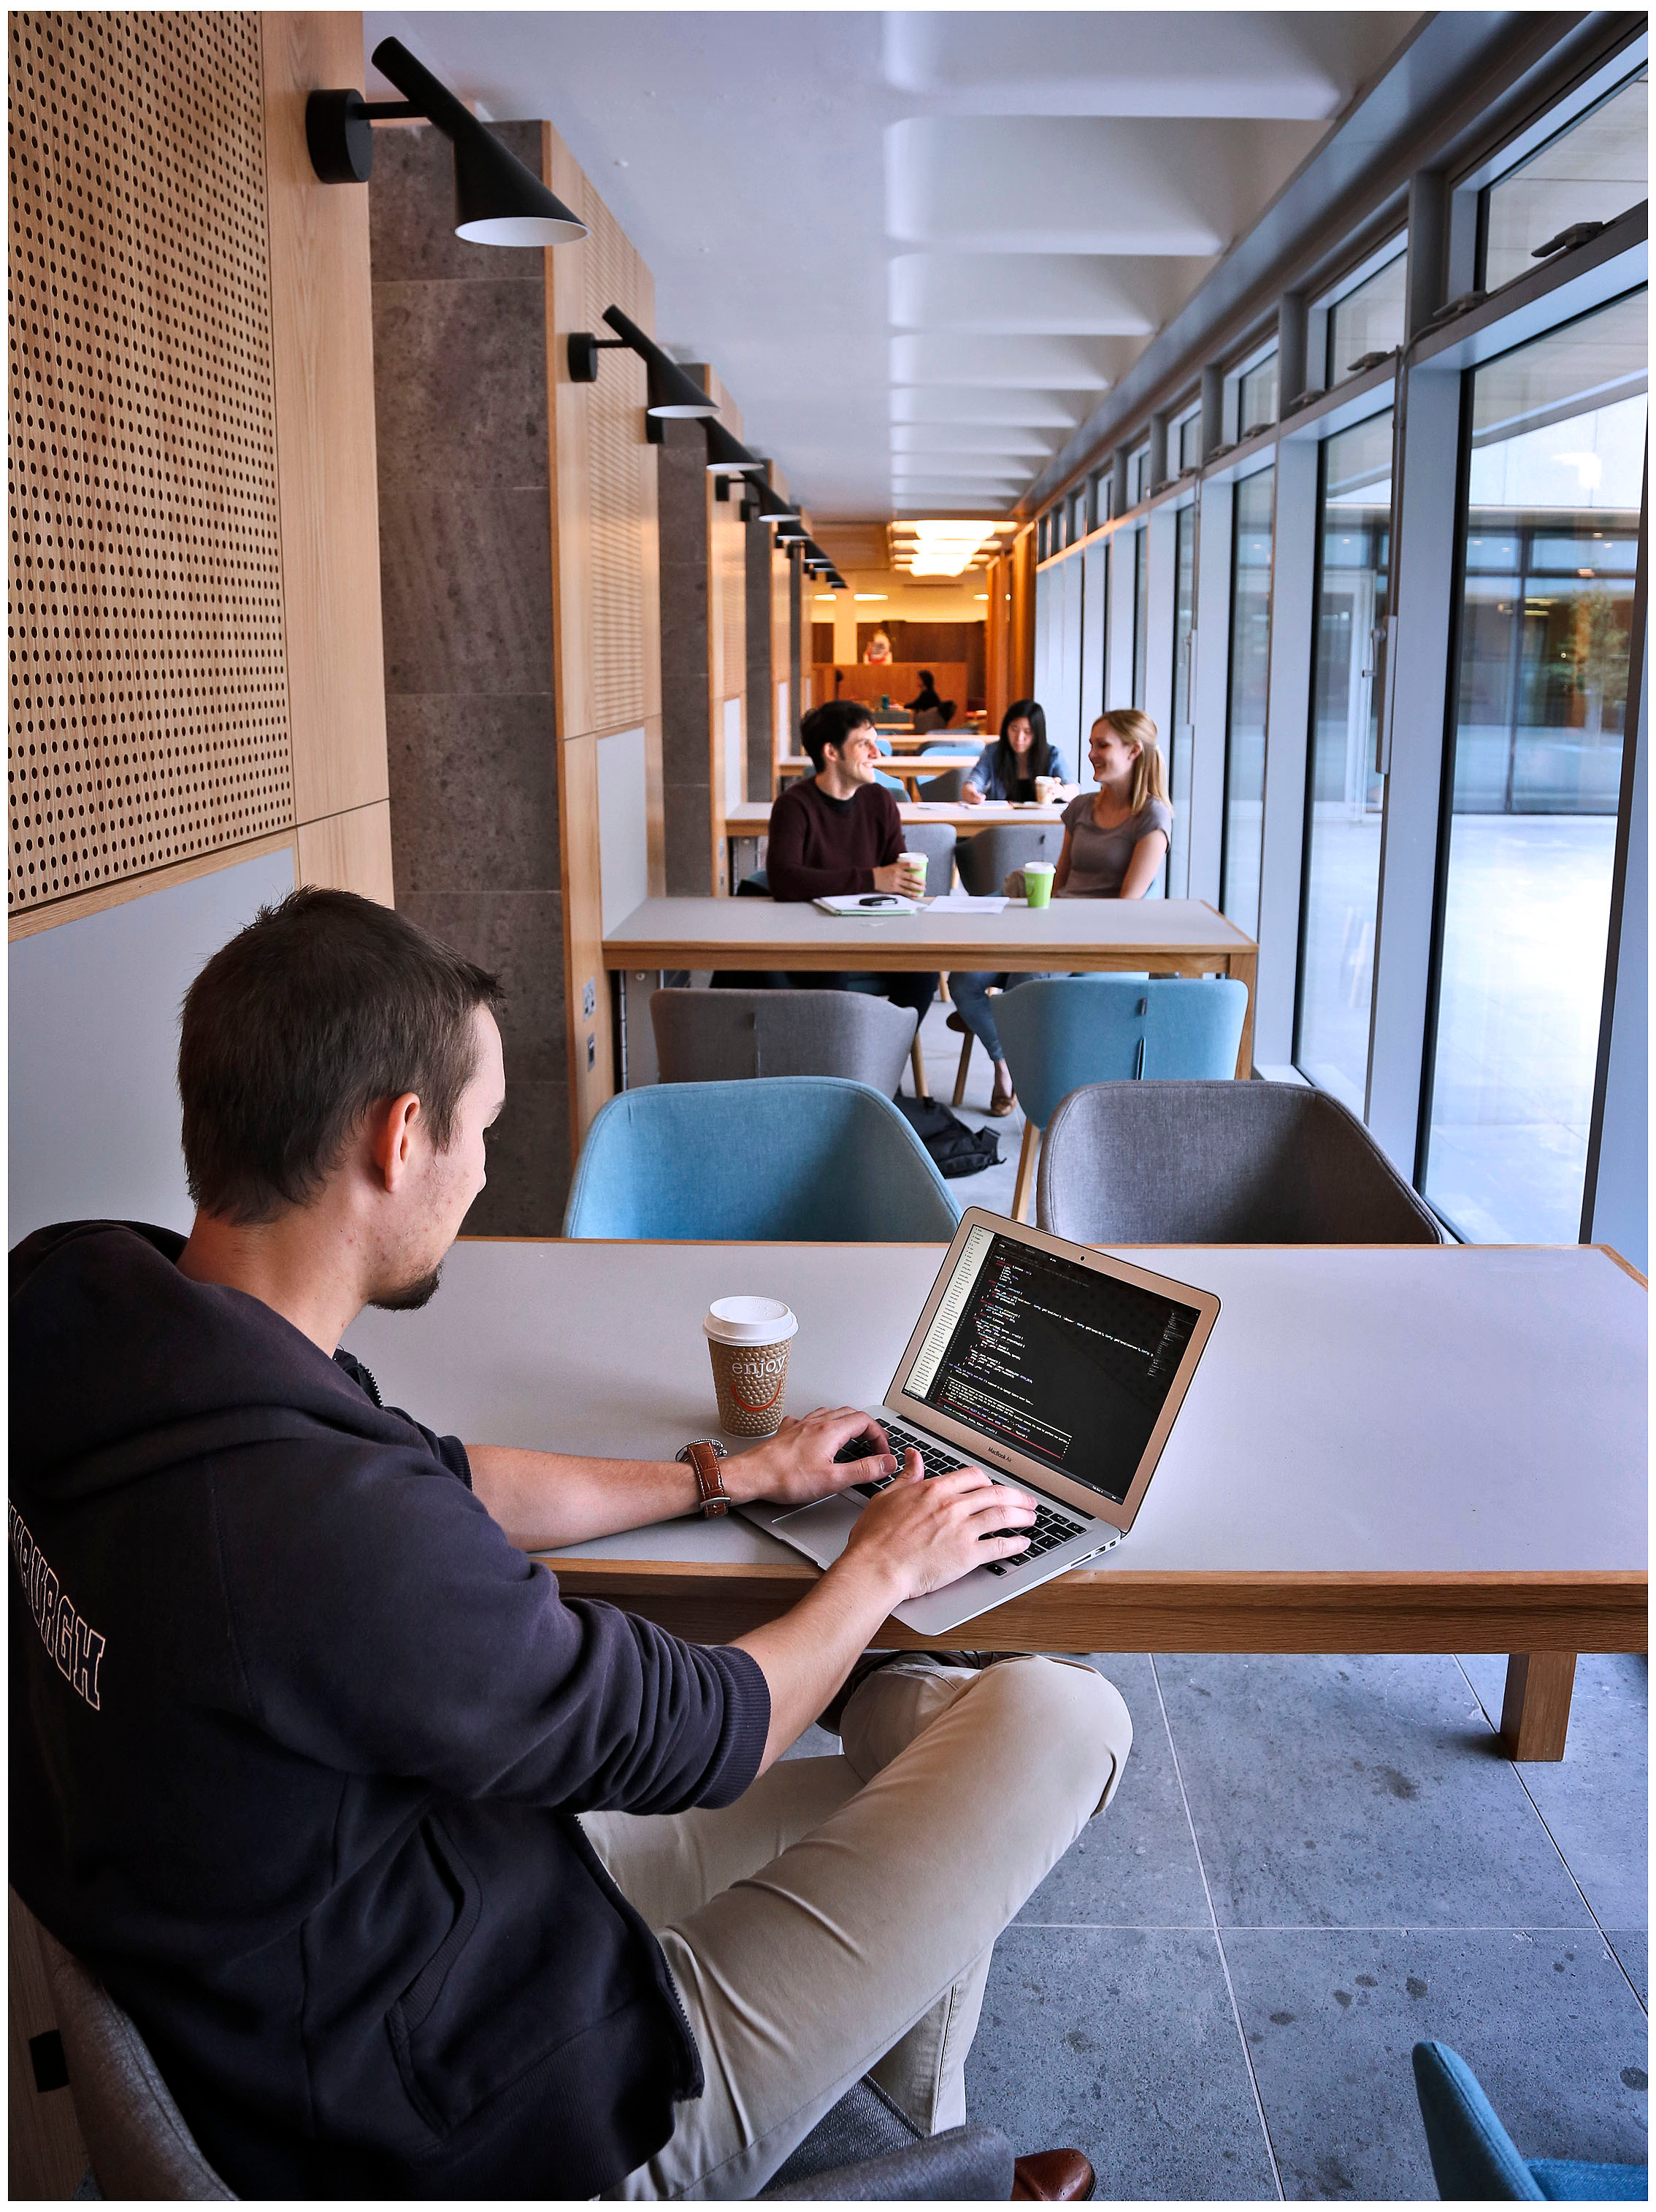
x: 916, y: 862
x: 1047, y: 788
x: 1037, y: 882
x: 747, y: 1339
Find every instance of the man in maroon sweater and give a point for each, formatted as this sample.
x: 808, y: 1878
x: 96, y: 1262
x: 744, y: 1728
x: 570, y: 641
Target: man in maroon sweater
x: 839, y: 832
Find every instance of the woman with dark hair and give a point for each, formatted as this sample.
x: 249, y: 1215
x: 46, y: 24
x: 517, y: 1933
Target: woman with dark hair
x: 928, y: 703
x: 1007, y: 769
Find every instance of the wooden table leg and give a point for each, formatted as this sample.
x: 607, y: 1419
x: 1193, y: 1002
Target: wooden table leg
x: 1534, y: 1713
x: 1245, y: 966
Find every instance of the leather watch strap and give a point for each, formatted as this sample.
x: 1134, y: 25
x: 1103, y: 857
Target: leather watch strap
x: 716, y: 1498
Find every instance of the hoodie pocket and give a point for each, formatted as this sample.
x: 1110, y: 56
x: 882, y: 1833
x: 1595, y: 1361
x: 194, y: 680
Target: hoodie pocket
x: 451, y: 1875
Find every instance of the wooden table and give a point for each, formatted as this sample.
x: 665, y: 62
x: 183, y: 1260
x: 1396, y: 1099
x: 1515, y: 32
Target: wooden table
x: 749, y: 820
x: 1179, y: 936
x: 1384, y: 1448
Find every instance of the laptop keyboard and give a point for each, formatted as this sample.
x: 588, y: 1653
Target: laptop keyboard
x: 1051, y: 1527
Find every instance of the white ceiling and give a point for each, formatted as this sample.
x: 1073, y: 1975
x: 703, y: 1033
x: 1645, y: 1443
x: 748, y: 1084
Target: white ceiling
x: 917, y: 247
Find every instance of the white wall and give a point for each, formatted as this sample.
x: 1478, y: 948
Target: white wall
x: 95, y: 1032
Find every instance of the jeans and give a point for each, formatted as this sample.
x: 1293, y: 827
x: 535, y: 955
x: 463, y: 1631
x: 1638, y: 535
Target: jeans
x: 838, y: 1918
x: 969, y: 992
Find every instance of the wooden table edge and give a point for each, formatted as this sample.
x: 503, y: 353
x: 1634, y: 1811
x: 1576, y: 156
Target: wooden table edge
x: 1139, y: 1609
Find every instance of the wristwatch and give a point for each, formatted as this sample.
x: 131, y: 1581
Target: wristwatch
x: 703, y: 1456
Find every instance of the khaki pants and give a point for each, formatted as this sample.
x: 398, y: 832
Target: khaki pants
x: 838, y: 1918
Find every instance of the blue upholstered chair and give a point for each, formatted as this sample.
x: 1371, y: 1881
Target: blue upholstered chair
x: 1062, y: 1032
x: 809, y: 1159
x: 1474, y: 2158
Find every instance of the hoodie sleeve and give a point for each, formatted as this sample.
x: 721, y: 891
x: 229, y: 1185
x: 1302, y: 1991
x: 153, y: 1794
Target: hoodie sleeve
x: 385, y: 1626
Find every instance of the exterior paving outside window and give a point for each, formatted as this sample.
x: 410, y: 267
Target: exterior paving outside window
x: 1345, y: 799
x: 1549, y: 547
x: 1245, y: 729
x: 1595, y: 169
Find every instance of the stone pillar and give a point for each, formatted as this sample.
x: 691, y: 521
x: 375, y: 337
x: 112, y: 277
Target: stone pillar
x: 460, y: 396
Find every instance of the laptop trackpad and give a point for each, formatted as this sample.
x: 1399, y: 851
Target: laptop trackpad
x: 821, y: 1531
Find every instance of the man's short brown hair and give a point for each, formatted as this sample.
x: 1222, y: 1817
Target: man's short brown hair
x: 324, y: 1007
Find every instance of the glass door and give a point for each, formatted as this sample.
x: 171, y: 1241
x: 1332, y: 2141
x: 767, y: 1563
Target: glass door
x: 1245, y: 728
x: 1549, y: 547
x: 1344, y: 798
x: 1140, y: 611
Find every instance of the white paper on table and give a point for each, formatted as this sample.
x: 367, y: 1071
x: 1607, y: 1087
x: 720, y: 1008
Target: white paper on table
x: 872, y: 906
x: 963, y: 901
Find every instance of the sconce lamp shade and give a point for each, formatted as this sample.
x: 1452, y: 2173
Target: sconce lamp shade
x: 498, y: 202
x: 668, y: 391
x: 726, y: 456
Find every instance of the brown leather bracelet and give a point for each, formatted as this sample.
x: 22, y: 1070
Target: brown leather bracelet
x: 703, y: 1456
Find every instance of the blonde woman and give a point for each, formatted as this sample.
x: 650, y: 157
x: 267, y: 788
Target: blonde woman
x: 1115, y: 839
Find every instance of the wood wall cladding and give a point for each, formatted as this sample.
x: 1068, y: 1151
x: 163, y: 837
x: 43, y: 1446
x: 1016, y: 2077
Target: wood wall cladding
x: 607, y: 602
x: 149, y: 707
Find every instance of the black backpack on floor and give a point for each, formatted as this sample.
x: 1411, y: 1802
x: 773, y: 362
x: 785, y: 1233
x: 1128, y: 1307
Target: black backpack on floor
x: 955, y: 1149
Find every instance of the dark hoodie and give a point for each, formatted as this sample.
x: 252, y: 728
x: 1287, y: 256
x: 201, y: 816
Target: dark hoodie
x: 298, y: 1739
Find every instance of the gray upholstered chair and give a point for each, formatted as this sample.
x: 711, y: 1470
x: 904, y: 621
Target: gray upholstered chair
x: 865, y: 2150
x: 936, y: 841
x: 985, y: 859
x: 1196, y: 1162
x: 724, y: 1036
x: 942, y: 789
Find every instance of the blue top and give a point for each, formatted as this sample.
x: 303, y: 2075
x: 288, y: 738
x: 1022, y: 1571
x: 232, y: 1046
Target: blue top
x: 983, y: 777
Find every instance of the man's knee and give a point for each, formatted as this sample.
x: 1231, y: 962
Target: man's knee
x: 1077, y: 1717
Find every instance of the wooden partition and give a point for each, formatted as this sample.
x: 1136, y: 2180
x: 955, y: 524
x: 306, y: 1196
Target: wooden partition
x: 899, y: 680
x: 606, y: 603
x: 195, y: 587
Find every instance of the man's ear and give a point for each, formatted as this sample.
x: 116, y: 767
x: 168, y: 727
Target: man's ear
x: 391, y: 1134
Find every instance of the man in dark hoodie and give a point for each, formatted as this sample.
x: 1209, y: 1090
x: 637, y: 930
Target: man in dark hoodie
x: 419, y: 1880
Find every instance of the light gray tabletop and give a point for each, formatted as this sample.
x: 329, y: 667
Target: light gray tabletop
x: 1418, y: 1411
x: 1078, y: 932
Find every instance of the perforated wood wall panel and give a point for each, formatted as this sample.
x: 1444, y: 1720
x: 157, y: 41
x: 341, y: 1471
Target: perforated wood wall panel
x: 149, y: 714
x: 618, y: 460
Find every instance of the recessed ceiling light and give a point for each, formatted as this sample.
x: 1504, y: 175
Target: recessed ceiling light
x: 871, y: 595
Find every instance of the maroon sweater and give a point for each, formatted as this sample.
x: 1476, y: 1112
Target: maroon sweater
x: 821, y: 848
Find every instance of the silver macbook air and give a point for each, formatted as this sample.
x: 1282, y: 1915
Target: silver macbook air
x: 1051, y: 1366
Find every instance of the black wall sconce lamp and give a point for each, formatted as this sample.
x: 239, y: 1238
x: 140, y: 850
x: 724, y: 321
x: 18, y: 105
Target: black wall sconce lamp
x: 498, y: 202
x: 670, y: 395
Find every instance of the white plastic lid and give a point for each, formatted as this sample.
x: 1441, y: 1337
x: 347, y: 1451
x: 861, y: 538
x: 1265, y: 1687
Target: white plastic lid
x: 750, y: 1321
x: 1039, y: 868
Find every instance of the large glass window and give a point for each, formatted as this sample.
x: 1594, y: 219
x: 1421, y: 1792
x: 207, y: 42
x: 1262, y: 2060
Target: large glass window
x: 1256, y: 397
x: 1594, y: 169
x: 1140, y: 611
x: 1550, y: 549
x: 1138, y: 475
x: 1179, y: 769
x: 1187, y: 443
x: 1244, y: 726
x: 1344, y: 798
x: 1369, y: 319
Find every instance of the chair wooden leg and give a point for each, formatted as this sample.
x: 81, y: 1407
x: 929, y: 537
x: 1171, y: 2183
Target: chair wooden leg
x: 916, y: 1063
x: 1025, y: 1183
x: 960, y: 1072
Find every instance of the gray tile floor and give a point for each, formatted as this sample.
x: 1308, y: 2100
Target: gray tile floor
x: 1311, y: 1863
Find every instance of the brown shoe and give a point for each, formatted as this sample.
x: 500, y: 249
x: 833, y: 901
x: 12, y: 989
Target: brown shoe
x: 1053, y: 2177
x: 1002, y: 1102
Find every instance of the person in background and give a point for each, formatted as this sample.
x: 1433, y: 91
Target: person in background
x: 879, y: 646
x: 1115, y: 839
x: 928, y: 701
x: 838, y: 833
x: 1008, y: 769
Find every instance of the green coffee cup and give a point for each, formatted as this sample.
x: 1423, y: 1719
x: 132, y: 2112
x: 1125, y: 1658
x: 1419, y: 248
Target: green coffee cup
x: 1037, y: 882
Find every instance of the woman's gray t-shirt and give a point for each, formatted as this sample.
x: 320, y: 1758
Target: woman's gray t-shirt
x: 1098, y: 858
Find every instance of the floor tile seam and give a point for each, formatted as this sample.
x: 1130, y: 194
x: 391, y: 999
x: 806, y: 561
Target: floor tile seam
x: 1585, y: 1902
x: 1218, y: 1941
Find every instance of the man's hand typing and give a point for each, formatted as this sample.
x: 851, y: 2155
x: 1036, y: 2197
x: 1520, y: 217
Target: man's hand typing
x: 798, y: 1464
